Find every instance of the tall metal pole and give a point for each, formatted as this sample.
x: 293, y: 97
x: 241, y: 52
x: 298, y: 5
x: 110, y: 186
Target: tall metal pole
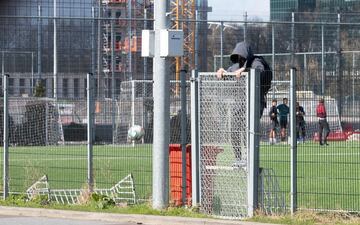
x: 322, y: 61
x: 221, y: 44
x: 55, y: 53
x: 254, y: 141
x: 113, y: 80
x: 195, y: 170
x: 6, y: 140
x: 353, y: 85
x: 39, y: 43
x: 130, y: 38
x: 161, y: 95
x: 3, y: 63
x: 145, y: 58
x: 99, y: 66
x: 338, y: 68
x: 196, y: 40
x: 305, y: 73
x: 273, y: 55
x: 32, y: 73
x: 93, y: 55
x: 183, y: 133
x: 90, y: 129
x: 293, y: 153
x: 293, y: 39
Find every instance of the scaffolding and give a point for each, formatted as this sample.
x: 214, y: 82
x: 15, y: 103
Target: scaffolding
x: 121, y: 40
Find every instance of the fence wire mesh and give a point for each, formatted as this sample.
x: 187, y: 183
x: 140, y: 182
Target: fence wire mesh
x: 324, y: 47
x: 223, y: 145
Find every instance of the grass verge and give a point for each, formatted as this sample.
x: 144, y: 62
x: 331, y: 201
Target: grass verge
x: 101, y: 204
x: 310, y: 218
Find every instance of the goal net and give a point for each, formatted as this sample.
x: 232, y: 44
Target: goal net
x: 33, y: 121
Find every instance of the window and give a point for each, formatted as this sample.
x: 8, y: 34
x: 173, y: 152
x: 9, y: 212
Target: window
x: 11, y: 86
x: 65, y: 87
x: 22, y: 87
x: 76, y: 88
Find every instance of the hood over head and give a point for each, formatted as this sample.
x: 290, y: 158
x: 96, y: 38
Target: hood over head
x: 242, y: 49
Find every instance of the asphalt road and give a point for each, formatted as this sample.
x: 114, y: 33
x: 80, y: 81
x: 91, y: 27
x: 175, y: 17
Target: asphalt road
x: 21, y: 220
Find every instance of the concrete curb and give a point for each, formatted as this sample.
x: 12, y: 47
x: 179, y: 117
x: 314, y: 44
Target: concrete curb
x: 113, y: 217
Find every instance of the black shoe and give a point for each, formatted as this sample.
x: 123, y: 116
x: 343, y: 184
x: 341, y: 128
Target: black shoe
x: 325, y: 143
x: 321, y: 143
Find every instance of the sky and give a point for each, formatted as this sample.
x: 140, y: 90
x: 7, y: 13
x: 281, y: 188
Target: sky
x: 235, y: 9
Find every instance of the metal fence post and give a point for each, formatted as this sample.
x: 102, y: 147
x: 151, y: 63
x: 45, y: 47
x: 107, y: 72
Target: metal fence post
x: 293, y: 152
x: 183, y: 132
x: 90, y: 120
x: 6, y: 139
x: 254, y: 141
x: 195, y: 138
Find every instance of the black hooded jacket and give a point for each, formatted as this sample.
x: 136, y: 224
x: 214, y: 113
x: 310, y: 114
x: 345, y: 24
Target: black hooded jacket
x: 243, y: 49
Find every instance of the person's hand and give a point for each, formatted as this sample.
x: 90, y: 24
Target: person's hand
x: 239, y: 72
x: 220, y: 73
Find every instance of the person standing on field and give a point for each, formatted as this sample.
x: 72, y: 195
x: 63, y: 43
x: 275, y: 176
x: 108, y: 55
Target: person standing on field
x: 283, y: 118
x: 300, y: 123
x: 324, y: 129
x: 273, y: 114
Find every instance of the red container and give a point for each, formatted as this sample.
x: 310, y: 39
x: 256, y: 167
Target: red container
x: 175, y: 167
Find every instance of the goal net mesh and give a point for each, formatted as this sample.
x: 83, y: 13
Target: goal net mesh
x: 33, y: 121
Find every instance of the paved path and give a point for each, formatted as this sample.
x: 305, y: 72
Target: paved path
x: 32, y: 216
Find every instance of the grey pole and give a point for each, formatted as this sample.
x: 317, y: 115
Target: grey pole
x: 161, y: 95
x: 273, y: 55
x: 195, y: 139
x: 39, y: 43
x: 254, y: 141
x: 55, y: 54
x: 305, y: 72
x: 338, y: 68
x: 93, y: 40
x: 322, y: 61
x: 32, y: 73
x: 90, y: 128
x: 113, y: 81
x: 196, y: 57
x: 293, y: 153
x: 183, y: 132
x: 3, y: 63
x: 293, y: 39
x: 6, y: 140
x: 130, y: 38
x: 145, y: 58
x: 221, y: 44
x: 100, y: 91
x: 353, y: 85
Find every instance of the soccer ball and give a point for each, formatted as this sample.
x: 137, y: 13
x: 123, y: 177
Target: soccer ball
x: 136, y: 132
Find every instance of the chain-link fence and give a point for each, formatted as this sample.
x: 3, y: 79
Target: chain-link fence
x: 48, y: 122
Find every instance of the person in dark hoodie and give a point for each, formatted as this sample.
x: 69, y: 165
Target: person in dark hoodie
x: 243, y: 60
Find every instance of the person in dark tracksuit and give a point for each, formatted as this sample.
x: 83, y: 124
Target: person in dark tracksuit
x: 300, y: 123
x: 243, y: 60
x: 273, y: 114
x: 324, y: 129
x: 283, y: 115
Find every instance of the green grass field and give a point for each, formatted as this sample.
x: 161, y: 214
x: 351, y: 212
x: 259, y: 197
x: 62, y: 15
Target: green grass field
x: 328, y: 177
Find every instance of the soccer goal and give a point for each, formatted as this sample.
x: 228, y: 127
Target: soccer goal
x: 34, y: 121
